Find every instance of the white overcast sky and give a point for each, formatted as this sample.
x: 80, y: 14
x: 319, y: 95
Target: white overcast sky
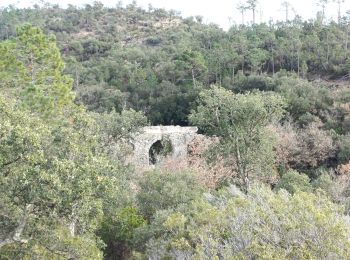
x: 221, y: 12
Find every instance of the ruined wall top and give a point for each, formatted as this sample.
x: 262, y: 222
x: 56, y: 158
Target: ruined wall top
x: 170, y: 129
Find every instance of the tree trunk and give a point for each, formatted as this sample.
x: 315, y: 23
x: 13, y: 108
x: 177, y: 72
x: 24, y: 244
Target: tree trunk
x: 193, y: 78
x: 346, y: 42
x: 273, y: 63
x: 323, y: 12
x: 298, y: 64
x: 233, y: 75
x: 16, y: 235
x: 242, y: 173
x: 73, y: 220
x: 77, y: 79
x: 253, y: 15
x: 328, y: 49
x: 243, y: 66
x: 339, y: 15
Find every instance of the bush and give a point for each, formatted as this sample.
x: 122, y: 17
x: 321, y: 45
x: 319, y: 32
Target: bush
x: 118, y: 232
x: 293, y: 181
x: 304, y: 97
x: 259, y: 225
x: 162, y: 190
x: 304, y: 148
x: 323, y: 182
x: 254, y: 82
x: 343, y: 155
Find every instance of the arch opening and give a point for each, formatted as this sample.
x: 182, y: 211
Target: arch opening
x: 159, y: 151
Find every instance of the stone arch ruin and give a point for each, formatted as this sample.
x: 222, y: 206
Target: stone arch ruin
x: 177, y: 136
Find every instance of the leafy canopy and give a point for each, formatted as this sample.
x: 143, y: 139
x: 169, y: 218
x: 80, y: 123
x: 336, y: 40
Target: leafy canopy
x: 240, y: 120
x: 31, y: 70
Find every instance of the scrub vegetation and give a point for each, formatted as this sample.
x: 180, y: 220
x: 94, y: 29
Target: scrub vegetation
x: 268, y: 179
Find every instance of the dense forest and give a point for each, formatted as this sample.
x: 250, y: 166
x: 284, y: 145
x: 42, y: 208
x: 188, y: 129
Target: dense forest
x: 269, y: 178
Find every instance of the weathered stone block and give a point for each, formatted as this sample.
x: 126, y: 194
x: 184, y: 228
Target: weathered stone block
x: 178, y: 136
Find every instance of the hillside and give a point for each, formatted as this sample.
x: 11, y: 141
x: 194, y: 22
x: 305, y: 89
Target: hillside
x: 155, y: 61
x: 81, y: 177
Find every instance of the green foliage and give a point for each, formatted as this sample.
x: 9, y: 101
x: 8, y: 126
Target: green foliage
x: 165, y: 190
x: 118, y: 232
x: 43, y: 186
x: 223, y: 113
x: 117, y: 130
x: 100, y: 98
x: 304, y: 98
x: 324, y: 182
x: 56, y: 184
x: 151, y: 60
x: 343, y: 155
x: 58, y: 245
x: 240, y: 120
x: 263, y: 224
x: 119, y: 126
x: 53, y: 178
x: 63, y: 191
x: 32, y: 67
x: 254, y: 82
x: 293, y: 181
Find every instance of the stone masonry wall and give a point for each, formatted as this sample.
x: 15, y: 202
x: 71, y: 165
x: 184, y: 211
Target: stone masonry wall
x: 179, y: 137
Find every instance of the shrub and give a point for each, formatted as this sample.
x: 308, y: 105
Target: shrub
x: 162, y: 190
x: 343, y: 155
x: 118, y: 232
x: 258, y: 225
x: 293, y: 181
x: 254, y: 82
